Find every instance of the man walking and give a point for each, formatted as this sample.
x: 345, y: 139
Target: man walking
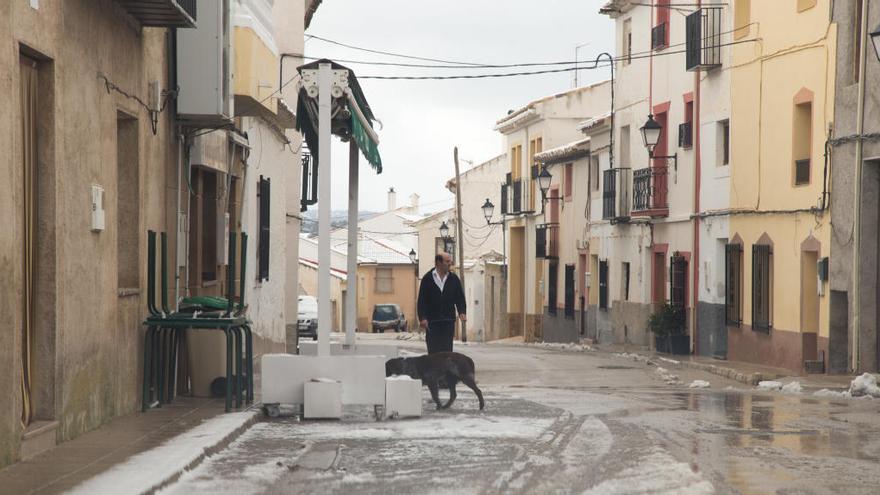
x: 440, y: 295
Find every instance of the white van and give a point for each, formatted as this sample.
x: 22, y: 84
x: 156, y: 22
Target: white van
x: 307, y: 317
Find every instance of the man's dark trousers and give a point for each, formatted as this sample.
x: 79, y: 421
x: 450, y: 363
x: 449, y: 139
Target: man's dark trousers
x: 439, y: 336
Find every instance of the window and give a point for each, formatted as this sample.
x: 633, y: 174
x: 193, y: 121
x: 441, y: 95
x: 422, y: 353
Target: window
x: 444, y: 245
x: 685, y: 129
x: 384, y: 280
x: 127, y: 202
x: 802, y: 132
x: 723, y: 142
x: 678, y: 268
x: 742, y: 13
x: 627, y: 42
x: 733, y: 283
x: 535, y: 146
x: 552, y: 283
x: 594, y: 173
x: 263, y: 197
x: 624, y: 281
x: 603, y: 284
x: 660, y: 33
x: 569, y: 180
x: 515, y: 160
x: 762, y: 284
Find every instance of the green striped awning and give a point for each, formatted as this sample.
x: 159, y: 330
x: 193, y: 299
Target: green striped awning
x: 366, y: 144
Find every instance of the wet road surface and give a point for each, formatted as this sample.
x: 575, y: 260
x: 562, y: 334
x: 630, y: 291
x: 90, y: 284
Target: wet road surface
x: 567, y: 422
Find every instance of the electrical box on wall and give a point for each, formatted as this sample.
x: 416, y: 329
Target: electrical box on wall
x: 587, y: 279
x: 97, y: 208
x: 822, y: 269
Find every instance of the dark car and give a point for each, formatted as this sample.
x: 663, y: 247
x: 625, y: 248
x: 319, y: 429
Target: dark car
x: 307, y: 319
x: 387, y: 316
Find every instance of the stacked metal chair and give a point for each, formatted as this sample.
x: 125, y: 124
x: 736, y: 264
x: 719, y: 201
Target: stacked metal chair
x: 166, y: 329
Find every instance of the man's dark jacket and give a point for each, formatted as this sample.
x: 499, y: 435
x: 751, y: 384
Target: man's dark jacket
x: 438, y: 306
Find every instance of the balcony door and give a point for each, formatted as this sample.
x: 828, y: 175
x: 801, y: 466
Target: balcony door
x: 660, y: 165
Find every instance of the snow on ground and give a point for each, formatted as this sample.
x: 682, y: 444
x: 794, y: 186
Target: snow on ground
x: 699, y: 384
x: 833, y: 393
x: 770, y: 385
x: 567, y: 346
x: 792, y: 388
x: 865, y: 384
x: 143, y: 470
x: 670, y: 361
x: 656, y: 472
x: 666, y: 376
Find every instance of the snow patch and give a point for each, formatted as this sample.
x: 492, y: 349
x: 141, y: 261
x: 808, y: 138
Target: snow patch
x: 568, y: 346
x: 671, y: 361
x: 833, y: 393
x: 666, y: 376
x: 770, y: 385
x: 658, y: 472
x: 864, y: 385
x: 699, y: 384
x: 792, y: 388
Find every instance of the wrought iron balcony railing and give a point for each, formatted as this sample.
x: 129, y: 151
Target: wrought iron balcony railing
x: 616, y: 194
x: 650, y: 191
x: 685, y: 135
x: 515, y: 194
x: 658, y: 36
x: 162, y: 13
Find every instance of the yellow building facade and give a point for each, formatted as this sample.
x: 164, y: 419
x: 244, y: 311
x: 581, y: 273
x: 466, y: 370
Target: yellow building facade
x: 782, y: 104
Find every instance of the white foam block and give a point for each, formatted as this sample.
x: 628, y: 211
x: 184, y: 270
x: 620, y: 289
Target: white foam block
x: 310, y: 348
x: 403, y: 397
x: 323, y: 399
x: 362, y: 377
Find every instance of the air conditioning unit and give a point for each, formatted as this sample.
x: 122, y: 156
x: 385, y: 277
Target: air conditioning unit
x: 204, y: 67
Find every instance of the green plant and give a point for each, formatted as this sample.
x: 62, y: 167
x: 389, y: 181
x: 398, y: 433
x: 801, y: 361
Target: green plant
x: 668, y: 320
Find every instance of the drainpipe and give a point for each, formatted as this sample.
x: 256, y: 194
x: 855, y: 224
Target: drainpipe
x: 857, y: 193
x: 697, y: 176
x: 181, y: 144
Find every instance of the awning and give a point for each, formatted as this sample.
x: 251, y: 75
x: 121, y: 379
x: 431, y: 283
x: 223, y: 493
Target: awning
x: 359, y: 125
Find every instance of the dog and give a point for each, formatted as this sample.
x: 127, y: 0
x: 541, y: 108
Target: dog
x: 451, y: 367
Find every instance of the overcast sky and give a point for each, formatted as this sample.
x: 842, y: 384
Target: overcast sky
x: 424, y: 120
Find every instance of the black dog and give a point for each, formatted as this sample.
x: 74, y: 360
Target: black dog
x: 431, y: 368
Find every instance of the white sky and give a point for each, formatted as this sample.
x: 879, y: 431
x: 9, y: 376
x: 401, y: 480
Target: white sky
x: 424, y: 120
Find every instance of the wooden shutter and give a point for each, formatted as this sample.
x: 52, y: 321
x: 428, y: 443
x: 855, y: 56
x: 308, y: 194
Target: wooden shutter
x: 569, y: 291
x: 733, y: 283
x: 761, y: 287
x: 553, y: 282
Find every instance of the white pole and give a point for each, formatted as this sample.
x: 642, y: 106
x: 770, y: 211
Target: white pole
x: 351, y: 280
x: 324, y: 103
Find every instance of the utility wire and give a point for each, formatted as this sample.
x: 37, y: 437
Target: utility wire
x: 391, y: 54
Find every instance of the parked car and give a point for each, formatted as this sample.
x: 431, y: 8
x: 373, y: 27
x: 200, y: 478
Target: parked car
x: 387, y: 316
x: 307, y: 317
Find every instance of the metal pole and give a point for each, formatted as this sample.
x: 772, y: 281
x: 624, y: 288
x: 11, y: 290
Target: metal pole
x: 324, y: 103
x: 460, y: 239
x: 352, y: 276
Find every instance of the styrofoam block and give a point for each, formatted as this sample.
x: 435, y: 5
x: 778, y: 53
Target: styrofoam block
x: 323, y: 399
x: 284, y: 375
x: 403, y: 397
x: 310, y: 348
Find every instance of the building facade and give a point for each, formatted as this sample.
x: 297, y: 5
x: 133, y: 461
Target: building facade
x: 852, y: 348
x: 780, y: 234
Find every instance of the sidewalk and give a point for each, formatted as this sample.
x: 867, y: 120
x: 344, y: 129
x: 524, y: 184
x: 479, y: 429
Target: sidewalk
x: 107, y: 449
x: 747, y: 373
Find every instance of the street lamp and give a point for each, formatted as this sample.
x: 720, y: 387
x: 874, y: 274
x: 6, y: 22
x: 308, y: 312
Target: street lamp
x: 875, y: 39
x: 651, y: 136
x: 544, y: 180
x: 488, y: 209
x: 444, y: 230
x: 413, y: 257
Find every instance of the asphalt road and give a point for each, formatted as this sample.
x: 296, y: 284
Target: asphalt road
x: 566, y: 422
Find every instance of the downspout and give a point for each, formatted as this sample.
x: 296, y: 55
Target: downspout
x: 697, y: 178
x: 177, y: 237
x: 857, y: 193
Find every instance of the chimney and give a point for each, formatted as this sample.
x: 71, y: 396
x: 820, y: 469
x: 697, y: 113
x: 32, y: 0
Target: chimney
x: 414, y: 201
x: 392, y: 199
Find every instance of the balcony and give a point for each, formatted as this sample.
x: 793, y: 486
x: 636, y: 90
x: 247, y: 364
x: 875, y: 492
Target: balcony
x: 515, y: 196
x: 658, y: 36
x: 685, y: 135
x: 703, y: 39
x: 615, y: 194
x: 162, y: 13
x: 650, y: 192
